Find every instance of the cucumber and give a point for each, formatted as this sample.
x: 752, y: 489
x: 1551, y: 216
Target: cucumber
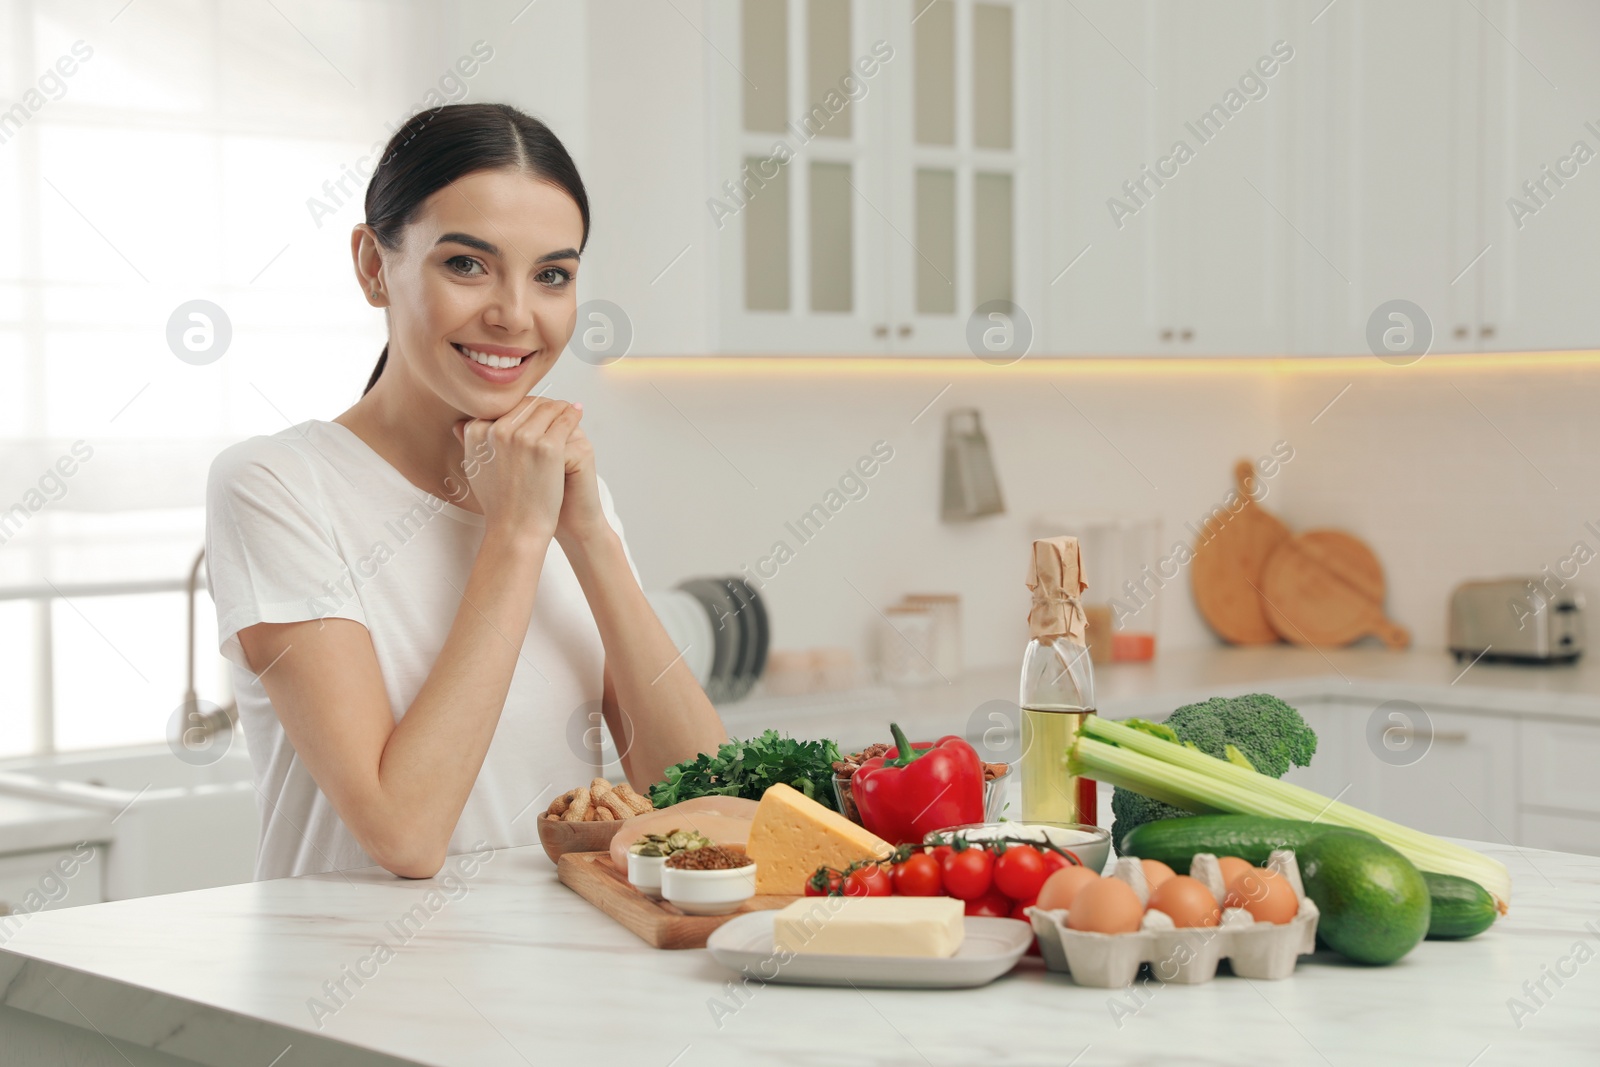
x: 1374, y: 902
x: 1461, y: 907
x: 1250, y: 837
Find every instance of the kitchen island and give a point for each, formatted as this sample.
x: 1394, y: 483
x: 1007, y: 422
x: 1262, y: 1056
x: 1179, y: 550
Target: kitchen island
x: 494, y: 963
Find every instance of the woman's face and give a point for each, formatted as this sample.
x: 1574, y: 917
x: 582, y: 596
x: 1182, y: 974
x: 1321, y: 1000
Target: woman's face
x: 490, y: 265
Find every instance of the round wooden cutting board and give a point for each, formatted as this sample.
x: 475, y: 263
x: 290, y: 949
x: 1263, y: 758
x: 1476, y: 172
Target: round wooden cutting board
x: 1326, y: 588
x: 1227, y: 566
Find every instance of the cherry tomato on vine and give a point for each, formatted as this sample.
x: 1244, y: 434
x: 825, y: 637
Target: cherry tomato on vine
x: 869, y: 881
x: 939, y: 853
x: 1019, y: 872
x: 814, y: 890
x: 1016, y: 912
x: 1053, y: 862
x: 918, y: 876
x: 968, y: 874
x: 993, y: 904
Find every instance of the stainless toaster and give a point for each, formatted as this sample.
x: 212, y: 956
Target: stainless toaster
x: 1528, y: 620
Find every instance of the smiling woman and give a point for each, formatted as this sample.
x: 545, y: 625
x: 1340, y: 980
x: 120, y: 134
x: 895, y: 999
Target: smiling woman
x: 419, y: 596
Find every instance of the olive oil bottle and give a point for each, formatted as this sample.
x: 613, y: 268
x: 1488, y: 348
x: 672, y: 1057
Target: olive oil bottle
x: 1057, y: 690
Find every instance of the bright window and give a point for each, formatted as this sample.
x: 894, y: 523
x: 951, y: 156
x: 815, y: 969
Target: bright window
x: 174, y: 163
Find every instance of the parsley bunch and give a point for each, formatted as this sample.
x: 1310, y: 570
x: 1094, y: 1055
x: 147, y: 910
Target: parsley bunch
x: 747, y: 768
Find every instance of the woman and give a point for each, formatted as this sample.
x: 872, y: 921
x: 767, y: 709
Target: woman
x: 426, y: 599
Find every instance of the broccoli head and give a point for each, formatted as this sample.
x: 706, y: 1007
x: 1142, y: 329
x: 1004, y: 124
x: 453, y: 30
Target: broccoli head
x: 1265, y: 731
x: 1270, y: 734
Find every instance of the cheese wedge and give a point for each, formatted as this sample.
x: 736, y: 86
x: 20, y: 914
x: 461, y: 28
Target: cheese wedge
x: 871, y: 926
x: 793, y: 835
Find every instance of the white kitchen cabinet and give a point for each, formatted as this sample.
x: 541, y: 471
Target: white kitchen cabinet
x: 1563, y: 833
x: 48, y: 879
x: 1462, y: 783
x: 1558, y: 766
x: 1489, y: 775
x: 1560, y: 791
x: 1379, y: 166
x: 1096, y: 293
x: 1465, y: 784
x: 1023, y: 150
x: 1541, y: 176
x: 1220, y: 286
x: 797, y: 171
x: 872, y: 170
x: 1166, y: 178
x: 1446, y: 169
x: 964, y: 177
x: 1388, y: 168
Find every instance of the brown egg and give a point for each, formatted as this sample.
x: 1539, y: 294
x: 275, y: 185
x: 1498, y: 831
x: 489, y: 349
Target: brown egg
x: 1265, y: 894
x: 1106, y: 906
x: 1156, y: 872
x: 1061, y: 887
x: 1186, y: 901
x: 1232, y: 867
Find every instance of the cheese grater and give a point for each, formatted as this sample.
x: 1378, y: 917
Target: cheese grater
x: 971, y: 487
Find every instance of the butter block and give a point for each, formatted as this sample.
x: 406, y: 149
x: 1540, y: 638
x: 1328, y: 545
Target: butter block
x: 793, y: 835
x: 870, y: 926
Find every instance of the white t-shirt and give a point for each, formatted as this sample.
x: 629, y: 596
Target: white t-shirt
x: 309, y: 523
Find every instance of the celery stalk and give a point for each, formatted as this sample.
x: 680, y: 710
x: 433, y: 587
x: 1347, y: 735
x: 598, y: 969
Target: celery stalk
x: 1187, y: 778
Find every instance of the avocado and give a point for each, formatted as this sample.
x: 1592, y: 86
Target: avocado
x: 1374, y: 903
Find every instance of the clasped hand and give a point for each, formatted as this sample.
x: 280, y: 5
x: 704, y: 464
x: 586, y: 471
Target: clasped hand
x: 532, y: 471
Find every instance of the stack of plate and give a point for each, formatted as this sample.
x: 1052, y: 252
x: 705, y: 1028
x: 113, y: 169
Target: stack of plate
x: 721, y: 626
x: 689, y: 626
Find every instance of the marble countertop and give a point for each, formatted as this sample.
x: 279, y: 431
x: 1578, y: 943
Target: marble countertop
x: 501, y: 966
x: 1428, y: 676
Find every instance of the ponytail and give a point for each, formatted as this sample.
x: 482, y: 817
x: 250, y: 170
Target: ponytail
x: 383, y: 358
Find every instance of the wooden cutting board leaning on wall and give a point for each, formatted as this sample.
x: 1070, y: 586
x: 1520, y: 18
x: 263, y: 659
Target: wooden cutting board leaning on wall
x: 1325, y: 588
x: 1229, y: 558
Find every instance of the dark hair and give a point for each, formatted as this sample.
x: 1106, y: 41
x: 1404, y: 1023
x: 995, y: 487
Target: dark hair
x: 436, y: 147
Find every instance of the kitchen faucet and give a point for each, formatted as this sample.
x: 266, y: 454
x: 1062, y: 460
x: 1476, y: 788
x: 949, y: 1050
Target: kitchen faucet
x: 202, y: 725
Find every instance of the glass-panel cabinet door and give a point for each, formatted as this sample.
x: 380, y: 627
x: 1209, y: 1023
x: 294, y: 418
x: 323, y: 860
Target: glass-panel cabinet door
x: 798, y: 92
x: 961, y: 133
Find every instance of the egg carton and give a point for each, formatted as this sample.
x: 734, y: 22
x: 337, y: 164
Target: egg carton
x: 1187, y: 955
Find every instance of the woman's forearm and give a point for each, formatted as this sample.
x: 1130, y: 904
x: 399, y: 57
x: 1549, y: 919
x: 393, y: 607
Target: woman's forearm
x: 667, y: 717
x: 432, y: 758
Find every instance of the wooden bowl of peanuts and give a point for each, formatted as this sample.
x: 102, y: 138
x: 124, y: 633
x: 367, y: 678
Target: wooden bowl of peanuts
x: 585, y: 819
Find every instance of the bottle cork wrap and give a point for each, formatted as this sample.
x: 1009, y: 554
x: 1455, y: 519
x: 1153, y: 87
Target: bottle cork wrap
x: 1055, y: 575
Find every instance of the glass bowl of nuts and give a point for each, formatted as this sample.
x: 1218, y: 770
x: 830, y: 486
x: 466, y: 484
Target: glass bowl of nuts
x: 996, y: 776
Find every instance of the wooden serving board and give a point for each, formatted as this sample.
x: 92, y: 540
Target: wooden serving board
x: 1228, y: 560
x: 1325, y: 588
x: 596, y: 879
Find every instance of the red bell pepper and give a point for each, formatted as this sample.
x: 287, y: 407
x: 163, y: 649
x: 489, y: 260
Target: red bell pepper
x: 902, y: 798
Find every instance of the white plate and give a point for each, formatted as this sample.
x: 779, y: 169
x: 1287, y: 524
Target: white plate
x: 686, y: 623
x: 990, y: 948
x: 700, y: 643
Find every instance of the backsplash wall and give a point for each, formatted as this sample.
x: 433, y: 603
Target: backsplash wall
x: 712, y: 467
